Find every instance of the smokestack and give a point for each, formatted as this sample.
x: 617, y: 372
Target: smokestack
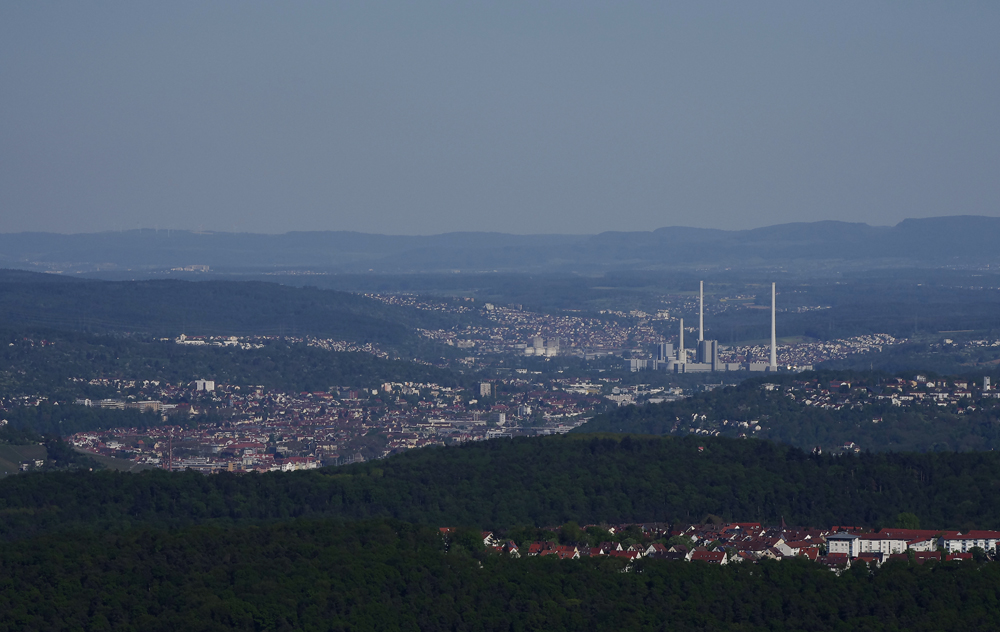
x: 774, y: 350
x: 701, y: 311
x: 681, y: 357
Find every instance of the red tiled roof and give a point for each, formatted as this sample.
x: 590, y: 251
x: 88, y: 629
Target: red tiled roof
x: 712, y: 557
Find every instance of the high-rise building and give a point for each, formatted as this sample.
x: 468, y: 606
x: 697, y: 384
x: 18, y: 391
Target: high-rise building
x: 485, y: 389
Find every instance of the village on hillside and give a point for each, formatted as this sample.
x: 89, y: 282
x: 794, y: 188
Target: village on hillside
x: 837, y: 547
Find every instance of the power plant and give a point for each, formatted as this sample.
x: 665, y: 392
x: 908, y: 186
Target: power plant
x: 706, y: 354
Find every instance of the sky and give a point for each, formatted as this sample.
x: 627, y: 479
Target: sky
x: 518, y: 117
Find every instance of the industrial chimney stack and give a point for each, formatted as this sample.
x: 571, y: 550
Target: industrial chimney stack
x: 701, y: 311
x: 774, y: 345
x: 681, y: 356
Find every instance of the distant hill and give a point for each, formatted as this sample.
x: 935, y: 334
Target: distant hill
x: 924, y: 242
x: 171, y: 307
x: 917, y: 428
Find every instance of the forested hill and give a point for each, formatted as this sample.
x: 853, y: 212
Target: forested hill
x: 777, y: 406
x: 387, y: 575
x: 170, y: 308
x: 27, y: 366
x: 543, y: 481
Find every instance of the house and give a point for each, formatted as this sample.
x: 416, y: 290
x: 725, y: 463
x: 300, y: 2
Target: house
x: 670, y: 556
x: 772, y: 553
x: 561, y: 553
x: 655, y: 548
x: 709, y: 557
x: 875, y: 559
x: 921, y: 557
x: 797, y: 546
x: 836, y: 562
x: 298, y: 463
x: 812, y: 553
x: 746, y: 526
x: 536, y: 548
x: 489, y: 540
x: 591, y: 551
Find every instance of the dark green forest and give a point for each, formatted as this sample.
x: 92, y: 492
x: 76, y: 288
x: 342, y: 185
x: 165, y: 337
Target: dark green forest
x: 343, y: 549
x: 27, y: 366
x: 543, y: 481
x: 389, y: 575
x: 46, y: 419
x: 917, y: 428
x: 232, y: 308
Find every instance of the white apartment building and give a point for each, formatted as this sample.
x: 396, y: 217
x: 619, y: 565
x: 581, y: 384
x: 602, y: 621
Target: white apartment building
x: 958, y: 542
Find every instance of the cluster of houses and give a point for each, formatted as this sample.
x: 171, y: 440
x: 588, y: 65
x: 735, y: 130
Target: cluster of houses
x: 838, y: 394
x: 837, y: 547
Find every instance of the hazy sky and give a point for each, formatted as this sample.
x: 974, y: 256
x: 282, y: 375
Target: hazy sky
x: 427, y: 117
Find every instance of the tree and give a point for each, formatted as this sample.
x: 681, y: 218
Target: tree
x: 978, y: 554
x: 907, y: 520
x: 571, y: 532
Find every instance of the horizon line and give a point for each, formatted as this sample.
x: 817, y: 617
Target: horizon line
x: 468, y: 232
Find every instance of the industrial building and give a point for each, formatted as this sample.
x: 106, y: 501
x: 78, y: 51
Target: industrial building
x: 706, y: 352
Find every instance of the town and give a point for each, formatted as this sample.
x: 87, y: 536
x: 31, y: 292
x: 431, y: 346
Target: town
x: 635, y: 335
x: 239, y: 429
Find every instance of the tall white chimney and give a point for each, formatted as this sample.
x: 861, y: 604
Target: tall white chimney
x: 774, y: 342
x: 701, y: 311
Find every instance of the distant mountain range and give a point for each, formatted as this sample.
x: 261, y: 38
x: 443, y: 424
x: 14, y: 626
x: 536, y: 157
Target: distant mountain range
x: 938, y: 241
